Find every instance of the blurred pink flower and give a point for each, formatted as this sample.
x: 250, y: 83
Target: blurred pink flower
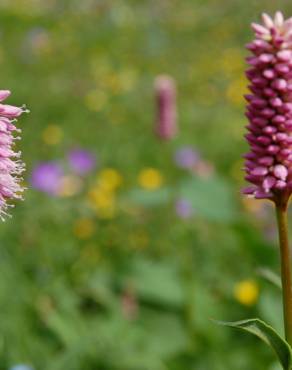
x: 166, y: 121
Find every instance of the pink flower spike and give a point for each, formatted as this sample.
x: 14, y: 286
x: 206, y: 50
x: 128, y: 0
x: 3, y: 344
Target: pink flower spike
x: 11, y: 167
x: 269, y: 162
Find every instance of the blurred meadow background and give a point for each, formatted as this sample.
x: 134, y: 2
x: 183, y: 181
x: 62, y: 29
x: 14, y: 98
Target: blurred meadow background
x: 127, y: 245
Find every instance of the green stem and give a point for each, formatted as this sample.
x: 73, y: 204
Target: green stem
x: 281, y: 209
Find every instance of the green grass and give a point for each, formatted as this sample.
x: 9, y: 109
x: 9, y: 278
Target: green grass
x: 88, y: 67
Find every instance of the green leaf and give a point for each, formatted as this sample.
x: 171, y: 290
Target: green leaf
x: 268, y: 335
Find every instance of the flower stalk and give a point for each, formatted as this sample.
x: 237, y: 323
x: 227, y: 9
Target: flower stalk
x: 281, y: 211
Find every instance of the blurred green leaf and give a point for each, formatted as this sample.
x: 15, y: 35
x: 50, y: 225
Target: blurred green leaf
x: 275, y: 366
x: 270, y: 276
x: 268, y: 335
x: 99, y: 286
x: 158, y: 282
x: 211, y: 198
x: 169, y: 336
x: 149, y: 198
x: 270, y: 308
x: 63, y: 327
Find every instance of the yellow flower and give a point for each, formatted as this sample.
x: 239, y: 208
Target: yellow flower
x: 109, y: 179
x: 150, y: 179
x: 52, y: 135
x: 83, y: 228
x: 103, y: 201
x: 246, y: 292
x: 102, y: 196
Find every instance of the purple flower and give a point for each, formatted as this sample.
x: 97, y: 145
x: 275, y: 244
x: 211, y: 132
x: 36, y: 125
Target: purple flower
x: 11, y: 167
x: 46, y: 177
x: 186, y: 157
x: 268, y: 163
x: 183, y: 208
x: 166, y: 126
x: 81, y: 161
